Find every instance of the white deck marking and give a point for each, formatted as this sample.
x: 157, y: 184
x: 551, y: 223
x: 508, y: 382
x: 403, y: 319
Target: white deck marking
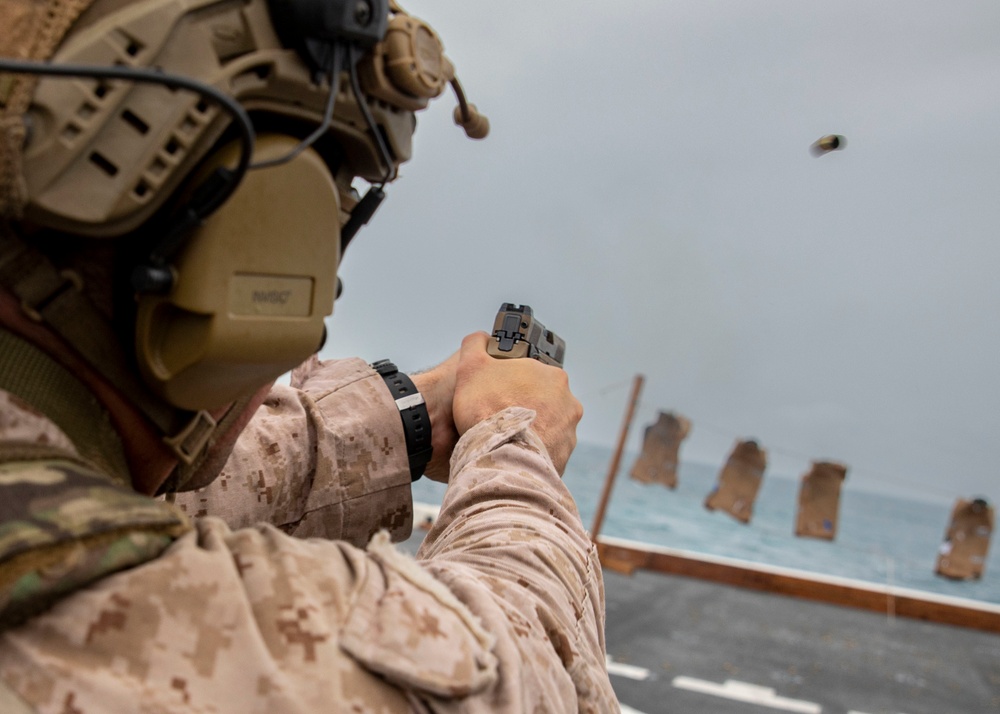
x: 628, y: 670
x: 628, y: 710
x: 746, y: 692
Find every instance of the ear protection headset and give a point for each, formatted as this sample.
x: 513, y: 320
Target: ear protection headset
x: 239, y: 277
x: 253, y: 284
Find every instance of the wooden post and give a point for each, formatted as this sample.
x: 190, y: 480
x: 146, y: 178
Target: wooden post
x: 616, y: 460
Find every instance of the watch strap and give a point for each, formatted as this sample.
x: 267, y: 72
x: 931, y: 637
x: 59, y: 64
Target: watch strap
x: 413, y: 412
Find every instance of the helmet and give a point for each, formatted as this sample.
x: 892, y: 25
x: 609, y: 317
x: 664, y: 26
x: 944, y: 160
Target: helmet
x: 218, y: 143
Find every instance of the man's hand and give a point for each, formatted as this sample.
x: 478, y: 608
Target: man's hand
x: 437, y: 385
x: 485, y: 385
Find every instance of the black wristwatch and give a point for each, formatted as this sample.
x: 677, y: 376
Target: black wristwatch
x: 413, y: 411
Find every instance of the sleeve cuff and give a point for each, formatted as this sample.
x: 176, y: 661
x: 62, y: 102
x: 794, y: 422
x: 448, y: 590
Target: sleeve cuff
x: 489, y: 434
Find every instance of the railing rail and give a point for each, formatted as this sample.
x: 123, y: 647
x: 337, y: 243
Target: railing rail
x: 624, y: 556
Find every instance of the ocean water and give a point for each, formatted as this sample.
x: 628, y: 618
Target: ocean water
x: 881, y: 539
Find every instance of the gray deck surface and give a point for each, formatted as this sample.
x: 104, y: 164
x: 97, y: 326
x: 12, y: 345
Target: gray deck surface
x: 678, y: 633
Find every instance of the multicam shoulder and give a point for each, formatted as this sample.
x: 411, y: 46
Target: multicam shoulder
x: 63, y: 524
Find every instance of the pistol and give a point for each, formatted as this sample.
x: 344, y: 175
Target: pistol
x: 517, y: 333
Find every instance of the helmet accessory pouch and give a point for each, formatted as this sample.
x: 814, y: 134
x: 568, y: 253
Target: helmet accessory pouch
x: 251, y: 286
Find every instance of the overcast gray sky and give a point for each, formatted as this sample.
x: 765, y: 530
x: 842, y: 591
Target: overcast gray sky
x: 647, y: 188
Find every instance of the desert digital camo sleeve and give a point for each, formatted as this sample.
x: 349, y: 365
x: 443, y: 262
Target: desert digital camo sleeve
x: 324, y: 457
x: 509, y: 543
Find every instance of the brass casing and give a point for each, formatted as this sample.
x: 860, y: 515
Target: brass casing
x: 253, y: 286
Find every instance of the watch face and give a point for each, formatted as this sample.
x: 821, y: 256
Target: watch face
x: 384, y: 367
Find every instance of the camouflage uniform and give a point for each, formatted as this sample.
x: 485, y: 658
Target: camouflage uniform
x: 501, y: 611
x: 324, y: 457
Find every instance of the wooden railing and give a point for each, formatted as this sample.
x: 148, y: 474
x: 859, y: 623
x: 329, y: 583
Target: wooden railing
x: 625, y: 557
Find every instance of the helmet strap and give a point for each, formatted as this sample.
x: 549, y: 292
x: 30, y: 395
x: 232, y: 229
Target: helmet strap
x: 56, y: 299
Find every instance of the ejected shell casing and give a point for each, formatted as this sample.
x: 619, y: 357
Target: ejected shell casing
x: 828, y: 143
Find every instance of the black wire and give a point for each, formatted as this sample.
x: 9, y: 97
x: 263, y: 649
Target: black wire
x: 334, y: 80
x: 172, y: 81
x: 363, y: 106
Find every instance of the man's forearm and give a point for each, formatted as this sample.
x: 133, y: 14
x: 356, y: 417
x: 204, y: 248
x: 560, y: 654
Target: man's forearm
x: 509, y: 542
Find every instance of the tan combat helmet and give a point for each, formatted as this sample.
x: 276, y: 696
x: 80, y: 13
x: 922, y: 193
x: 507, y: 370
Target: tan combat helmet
x: 217, y: 141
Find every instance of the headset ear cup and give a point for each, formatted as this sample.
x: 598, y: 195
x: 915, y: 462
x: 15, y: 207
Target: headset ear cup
x: 253, y: 286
